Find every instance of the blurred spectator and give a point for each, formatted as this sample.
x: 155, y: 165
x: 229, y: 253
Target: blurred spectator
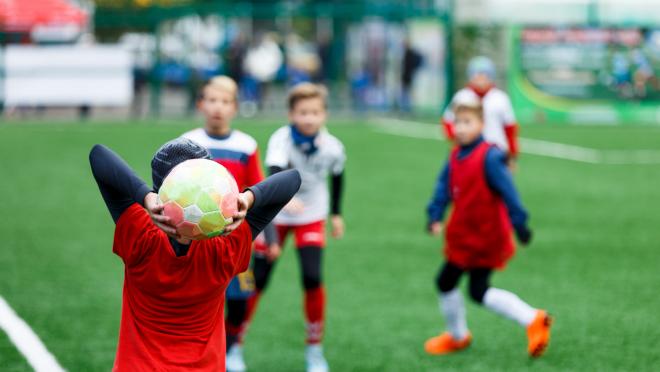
x: 360, y: 83
x: 643, y: 73
x: 235, y: 57
x: 412, y: 61
x: 262, y: 62
x: 324, y: 50
x: 621, y: 74
x: 303, y: 62
x: 140, y: 80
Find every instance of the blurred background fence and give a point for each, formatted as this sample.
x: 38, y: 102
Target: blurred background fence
x: 562, y: 61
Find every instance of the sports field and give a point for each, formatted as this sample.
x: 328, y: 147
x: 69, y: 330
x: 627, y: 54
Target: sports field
x: 593, y: 262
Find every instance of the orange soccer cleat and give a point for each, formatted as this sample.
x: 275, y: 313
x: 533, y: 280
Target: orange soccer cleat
x: 538, y: 334
x: 445, y: 344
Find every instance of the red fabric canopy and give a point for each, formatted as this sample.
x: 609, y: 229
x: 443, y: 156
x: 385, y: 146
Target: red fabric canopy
x: 23, y: 15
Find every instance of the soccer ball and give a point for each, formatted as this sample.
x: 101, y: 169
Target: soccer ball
x: 200, y: 197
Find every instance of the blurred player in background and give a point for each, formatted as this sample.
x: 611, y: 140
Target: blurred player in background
x: 500, y: 127
x: 478, y: 238
x: 239, y: 153
x: 307, y: 146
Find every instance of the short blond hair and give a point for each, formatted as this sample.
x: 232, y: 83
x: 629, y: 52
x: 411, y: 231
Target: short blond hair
x: 469, y: 105
x: 222, y: 82
x: 304, y: 91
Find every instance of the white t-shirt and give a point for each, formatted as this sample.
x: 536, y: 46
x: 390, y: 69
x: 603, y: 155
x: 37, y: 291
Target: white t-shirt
x: 498, y: 113
x: 314, y: 170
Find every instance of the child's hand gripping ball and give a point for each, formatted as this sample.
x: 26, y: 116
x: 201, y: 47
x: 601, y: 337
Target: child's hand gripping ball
x: 200, y: 197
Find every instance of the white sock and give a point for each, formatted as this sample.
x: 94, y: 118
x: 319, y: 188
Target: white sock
x: 314, y: 348
x: 451, y: 304
x: 509, y: 306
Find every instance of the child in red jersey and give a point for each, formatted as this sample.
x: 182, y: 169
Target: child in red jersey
x: 174, y: 289
x: 479, y: 238
x: 239, y: 153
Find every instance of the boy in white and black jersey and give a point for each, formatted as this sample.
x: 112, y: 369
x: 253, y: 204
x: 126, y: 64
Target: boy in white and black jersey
x: 305, y: 145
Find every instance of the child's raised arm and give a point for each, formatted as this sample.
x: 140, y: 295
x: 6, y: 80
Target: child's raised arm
x: 121, y: 187
x: 118, y: 183
x: 270, y: 196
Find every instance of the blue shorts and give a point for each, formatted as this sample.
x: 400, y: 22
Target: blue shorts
x: 241, y: 286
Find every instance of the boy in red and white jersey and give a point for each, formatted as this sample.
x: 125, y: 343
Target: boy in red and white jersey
x: 305, y: 145
x: 500, y: 127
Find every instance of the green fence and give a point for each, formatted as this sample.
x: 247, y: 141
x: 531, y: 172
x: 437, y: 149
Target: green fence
x: 115, y: 18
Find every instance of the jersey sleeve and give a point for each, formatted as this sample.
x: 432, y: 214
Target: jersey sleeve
x: 277, y: 152
x: 235, y: 254
x: 447, y: 120
x: 255, y: 173
x: 339, y: 162
x: 133, y: 234
x: 499, y: 179
x: 511, y: 133
x: 508, y: 117
x: 441, y: 197
x: 448, y: 115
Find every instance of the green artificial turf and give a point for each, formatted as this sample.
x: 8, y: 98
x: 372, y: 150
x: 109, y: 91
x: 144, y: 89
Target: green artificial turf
x: 593, y: 262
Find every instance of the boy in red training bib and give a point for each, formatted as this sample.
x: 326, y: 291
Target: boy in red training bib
x: 479, y: 238
x: 174, y: 288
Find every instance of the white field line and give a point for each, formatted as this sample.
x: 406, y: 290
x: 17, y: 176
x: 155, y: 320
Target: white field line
x: 26, y: 341
x: 560, y: 150
x: 413, y: 129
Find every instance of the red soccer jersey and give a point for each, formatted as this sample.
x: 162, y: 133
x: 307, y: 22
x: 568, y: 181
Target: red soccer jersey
x: 479, y: 232
x: 237, y: 151
x: 172, y: 307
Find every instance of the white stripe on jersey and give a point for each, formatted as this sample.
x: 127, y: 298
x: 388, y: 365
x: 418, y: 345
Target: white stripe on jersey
x: 314, y: 170
x: 236, y: 141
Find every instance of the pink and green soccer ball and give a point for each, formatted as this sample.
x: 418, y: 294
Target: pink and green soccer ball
x: 200, y: 198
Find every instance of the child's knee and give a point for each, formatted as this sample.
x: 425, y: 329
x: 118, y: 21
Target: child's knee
x: 479, y: 284
x: 310, y: 261
x: 477, y: 294
x: 448, y: 277
x: 478, y: 290
x: 311, y: 280
x: 444, y: 284
x: 261, y: 271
